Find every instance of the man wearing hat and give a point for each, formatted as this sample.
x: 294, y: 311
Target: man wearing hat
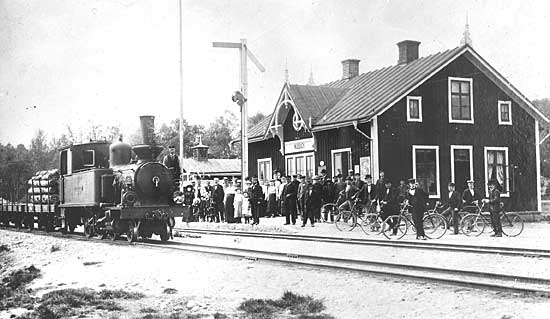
x: 312, y: 202
x: 389, y: 204
x: 470, y: 197
x: 494, y: 202
x: 302, y: 188
x: 256, y: 197
x: 349, y: 194
x: 367, y: 191
x: 417, y: 198
x: 172, y: 161
x: 454, y: 203
x: 291, y: 197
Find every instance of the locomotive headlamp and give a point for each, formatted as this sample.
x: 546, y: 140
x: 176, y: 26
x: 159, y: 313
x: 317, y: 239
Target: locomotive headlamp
x: 239, y: 98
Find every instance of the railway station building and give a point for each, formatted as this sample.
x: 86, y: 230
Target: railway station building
x: 445, y: 117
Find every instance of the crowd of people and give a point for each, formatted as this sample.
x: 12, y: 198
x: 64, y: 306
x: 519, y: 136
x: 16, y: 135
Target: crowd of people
x: 300, y: 196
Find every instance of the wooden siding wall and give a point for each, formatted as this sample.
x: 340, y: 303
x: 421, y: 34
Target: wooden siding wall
x: 397, y: 135
x: 265, y: 149
x: 339, y: 138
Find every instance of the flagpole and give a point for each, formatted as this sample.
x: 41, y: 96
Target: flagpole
x: 181, y: 90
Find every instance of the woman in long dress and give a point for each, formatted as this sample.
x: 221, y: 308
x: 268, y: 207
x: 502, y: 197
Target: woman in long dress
x: 238, y: 205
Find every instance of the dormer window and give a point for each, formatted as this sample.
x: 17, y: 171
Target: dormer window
x: 414, y: 108
x: 461, y: 108
x: 505, y: 112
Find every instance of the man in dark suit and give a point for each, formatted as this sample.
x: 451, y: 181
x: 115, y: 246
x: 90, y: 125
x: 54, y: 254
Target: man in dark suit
x: 302, y: 188
x: 368, y: 191
x: 495, y: 208
x: 389, y: 204
x: 256, y: 198
x: 470, y: 197
x: 417, y: 198
x: 381, y: 184
x: 349, y: 194
x: 312, y: 201
x: 454, y: 204
x: 291, y: 197
x: 172, y: 161
x: 217, y: 200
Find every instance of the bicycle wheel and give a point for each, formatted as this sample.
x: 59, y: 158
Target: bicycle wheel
x: 345, y: 220
x: 395, y: 227
x: 512, y: 224
x: 435, y: 226
x: 472, y: 225
x: 371, y: 224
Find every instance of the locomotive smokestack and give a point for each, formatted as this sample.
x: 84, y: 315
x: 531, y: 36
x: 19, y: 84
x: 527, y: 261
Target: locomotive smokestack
x: 149, y: 150
x: 148, y: 129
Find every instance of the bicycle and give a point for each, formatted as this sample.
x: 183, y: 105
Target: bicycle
x: 347, y: 219
x: 434, y: 224
x: 373, y: 221
x: 473, y: 224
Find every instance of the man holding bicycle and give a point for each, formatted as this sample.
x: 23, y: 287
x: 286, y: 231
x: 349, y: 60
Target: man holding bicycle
x: 389, y: 204
x: 494, y: 207
x: 417, y: 198
x: 451, y: 213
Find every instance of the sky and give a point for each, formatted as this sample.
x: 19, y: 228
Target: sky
x: 74, y: 63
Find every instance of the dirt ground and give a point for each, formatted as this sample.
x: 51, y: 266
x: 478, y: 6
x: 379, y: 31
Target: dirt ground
x: 203, y: 285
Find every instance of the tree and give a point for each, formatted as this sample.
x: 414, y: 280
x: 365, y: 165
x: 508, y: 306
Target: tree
x: 219, y: 133
x: 255, y: 119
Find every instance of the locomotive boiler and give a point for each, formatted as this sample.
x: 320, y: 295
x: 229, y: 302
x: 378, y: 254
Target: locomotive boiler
x: 110, y: 189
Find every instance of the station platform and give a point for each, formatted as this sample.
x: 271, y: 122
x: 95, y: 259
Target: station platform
x: 534, y: 235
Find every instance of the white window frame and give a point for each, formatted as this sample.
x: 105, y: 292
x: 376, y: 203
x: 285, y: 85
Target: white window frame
x: 462, y: 147
x: 293, y: 158
x: 93, y: 158
x: 263, y: 160
x: 437, y: 175
x: 506, y: 165
x: 340, y: 150
x: 414, y: 98
x: 470, y: 80
x: 509, y: 104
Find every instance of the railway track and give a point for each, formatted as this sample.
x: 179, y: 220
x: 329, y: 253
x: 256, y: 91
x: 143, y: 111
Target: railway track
x: 478, y: 249
x: 455, y: 277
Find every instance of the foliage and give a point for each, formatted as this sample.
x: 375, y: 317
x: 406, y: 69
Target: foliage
x: 13, y: 293
x: 255, y: 119
x: 302, y: 306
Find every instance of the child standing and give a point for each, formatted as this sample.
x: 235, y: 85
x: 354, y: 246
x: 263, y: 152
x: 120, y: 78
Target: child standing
x: 238, y: 202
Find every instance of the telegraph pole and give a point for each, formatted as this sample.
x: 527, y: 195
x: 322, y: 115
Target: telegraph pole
x: 181, y: 93
x: 241, y: 97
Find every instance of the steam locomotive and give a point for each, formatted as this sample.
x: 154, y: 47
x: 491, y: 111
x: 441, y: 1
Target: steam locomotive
x: 110, y: 189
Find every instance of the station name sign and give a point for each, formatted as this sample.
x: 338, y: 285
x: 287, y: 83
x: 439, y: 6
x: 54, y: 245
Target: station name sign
x: 302, y: 145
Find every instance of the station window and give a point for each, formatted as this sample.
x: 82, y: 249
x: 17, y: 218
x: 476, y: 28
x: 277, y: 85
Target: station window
x: 426, y: 168
x: 504, y: 112
x: 460, y: 100
x: 414, y: 108
x: 496, y: 167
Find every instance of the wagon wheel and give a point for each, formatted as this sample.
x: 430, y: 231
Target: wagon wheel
x: 112, y: 236
x: 88, y: 228
x: 132, y: 233
x: 165, y: 233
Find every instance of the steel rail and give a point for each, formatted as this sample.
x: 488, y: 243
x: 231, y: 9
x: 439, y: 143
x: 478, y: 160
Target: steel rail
x: 501, y: 250
x: 454, y: 277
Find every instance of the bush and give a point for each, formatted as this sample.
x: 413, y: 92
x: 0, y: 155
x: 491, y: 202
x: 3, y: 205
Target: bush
x: 304, y: 306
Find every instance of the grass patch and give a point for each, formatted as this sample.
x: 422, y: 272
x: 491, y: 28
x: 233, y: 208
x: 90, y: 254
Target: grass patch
x: 170, y: 291
x: 13, y: 292
x: 71, y: 302
x: 91, y: 263
x: 300, y: 306
x: 148, y: 310
x: 54, y: 248
x: 4, y: 248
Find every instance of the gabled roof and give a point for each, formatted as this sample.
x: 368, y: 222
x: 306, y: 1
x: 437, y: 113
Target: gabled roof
x: 258, y: 130
x: 312, y: 101
x: 360, y: 98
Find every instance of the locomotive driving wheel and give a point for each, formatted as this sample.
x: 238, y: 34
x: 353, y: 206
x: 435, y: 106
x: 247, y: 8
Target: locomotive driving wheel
x: 133, y: 232
x: 165, y: 233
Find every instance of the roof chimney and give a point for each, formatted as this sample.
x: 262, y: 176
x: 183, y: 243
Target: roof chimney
x: 350, y: 68
x: 408, y: 51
